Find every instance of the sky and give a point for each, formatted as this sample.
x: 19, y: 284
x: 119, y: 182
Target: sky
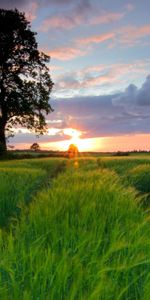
x: 100, y: 66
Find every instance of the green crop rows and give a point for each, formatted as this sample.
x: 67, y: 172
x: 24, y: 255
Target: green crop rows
x: 75, y: 230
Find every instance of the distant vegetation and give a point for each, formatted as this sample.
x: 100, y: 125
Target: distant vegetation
x: 35, y: 147
x: 38, y: 153
x: 84, y: 234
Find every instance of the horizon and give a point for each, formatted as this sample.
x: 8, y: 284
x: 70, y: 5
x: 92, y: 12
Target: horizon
x: 100, y: 67
x: 99, y: 145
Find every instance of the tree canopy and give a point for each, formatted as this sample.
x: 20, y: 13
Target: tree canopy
x: 35, y: 147
x: 25, y: 82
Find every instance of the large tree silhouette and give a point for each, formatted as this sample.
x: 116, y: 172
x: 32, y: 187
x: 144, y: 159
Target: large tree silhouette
x: 25, y: 83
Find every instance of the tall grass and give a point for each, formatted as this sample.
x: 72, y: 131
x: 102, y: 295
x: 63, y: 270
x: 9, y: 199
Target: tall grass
x: 16, y: 187
x: 19, y: 180
x: 133, y: 171
x: 83, y: 238
x: 122, y: 165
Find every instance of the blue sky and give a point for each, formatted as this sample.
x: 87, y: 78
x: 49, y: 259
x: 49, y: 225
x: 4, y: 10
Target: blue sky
x: 99, y: 64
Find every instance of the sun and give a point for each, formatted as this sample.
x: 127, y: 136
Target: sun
x: 75, y: 139
x: 75, y: 136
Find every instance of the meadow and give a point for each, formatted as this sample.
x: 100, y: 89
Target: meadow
x: 75, y: 229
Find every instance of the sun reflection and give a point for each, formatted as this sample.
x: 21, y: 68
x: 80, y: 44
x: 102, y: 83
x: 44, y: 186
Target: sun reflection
x: 76, y: 164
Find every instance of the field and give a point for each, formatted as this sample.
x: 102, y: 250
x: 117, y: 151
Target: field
x: 75, y: 229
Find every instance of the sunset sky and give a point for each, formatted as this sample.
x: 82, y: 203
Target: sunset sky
x: 100, y: 65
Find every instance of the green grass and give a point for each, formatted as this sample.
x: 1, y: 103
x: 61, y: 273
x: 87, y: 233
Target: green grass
x: 133, y: 171
x: 19, y: 180
x: 124, y: 164
x: 140, y: 177
x: 84, y: 236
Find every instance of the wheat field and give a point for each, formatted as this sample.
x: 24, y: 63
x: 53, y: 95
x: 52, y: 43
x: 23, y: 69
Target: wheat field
x: 75, y: 229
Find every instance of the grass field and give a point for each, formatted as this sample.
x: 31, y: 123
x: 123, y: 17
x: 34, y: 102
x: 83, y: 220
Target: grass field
x: 75, y: 229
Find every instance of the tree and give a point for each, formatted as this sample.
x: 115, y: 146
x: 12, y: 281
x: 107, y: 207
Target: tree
x: 35, y: 147
x: 25, y: 83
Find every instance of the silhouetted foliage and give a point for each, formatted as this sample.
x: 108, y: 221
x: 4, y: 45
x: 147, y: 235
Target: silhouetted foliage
x: 25, y: 83
x: 35, y: 147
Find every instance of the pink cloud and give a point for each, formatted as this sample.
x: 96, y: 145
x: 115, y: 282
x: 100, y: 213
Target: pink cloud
x: 107, y: 18
x: 140, y: 31
x: 58, y: 22
x: 98, y: 80
x: 81, y: 13
x: 99, y: 75
x: 66, y: 53
x: 97, y: 38
x: 67, y: 22
x: 131, y: 34
x: 31, y: 11
x: 77, y: 15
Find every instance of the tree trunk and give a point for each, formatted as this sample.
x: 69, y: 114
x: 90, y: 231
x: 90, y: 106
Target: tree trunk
x: 3, y: 147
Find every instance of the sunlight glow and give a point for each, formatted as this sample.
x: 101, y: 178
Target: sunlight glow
x: 103, y: 144
x: 74, y: 133
x: 75, y: 138
x: 82, y: 144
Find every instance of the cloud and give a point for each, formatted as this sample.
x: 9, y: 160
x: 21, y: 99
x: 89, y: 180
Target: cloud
x: 23, y: 136
x: 128, y: 35
x: 61, y: 22
x: 58, y: 2
x: 96, y: 38
x: 66, y: 53
x: 58, y: 22
x: 31, y: 11
x: 97, y: 116
x: 83, y: 13
x: 29, y: 7
x: 135, y: 97
x: 70, y: 82
x: 86, y: 45
x: 70, y: 18
x: 11, y: 4
x: 108, y: 115
x: 125, y: 36
x: 131, y: 35
x: 99, y: 76
x: 107, y: 17
x: 143, y: 97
